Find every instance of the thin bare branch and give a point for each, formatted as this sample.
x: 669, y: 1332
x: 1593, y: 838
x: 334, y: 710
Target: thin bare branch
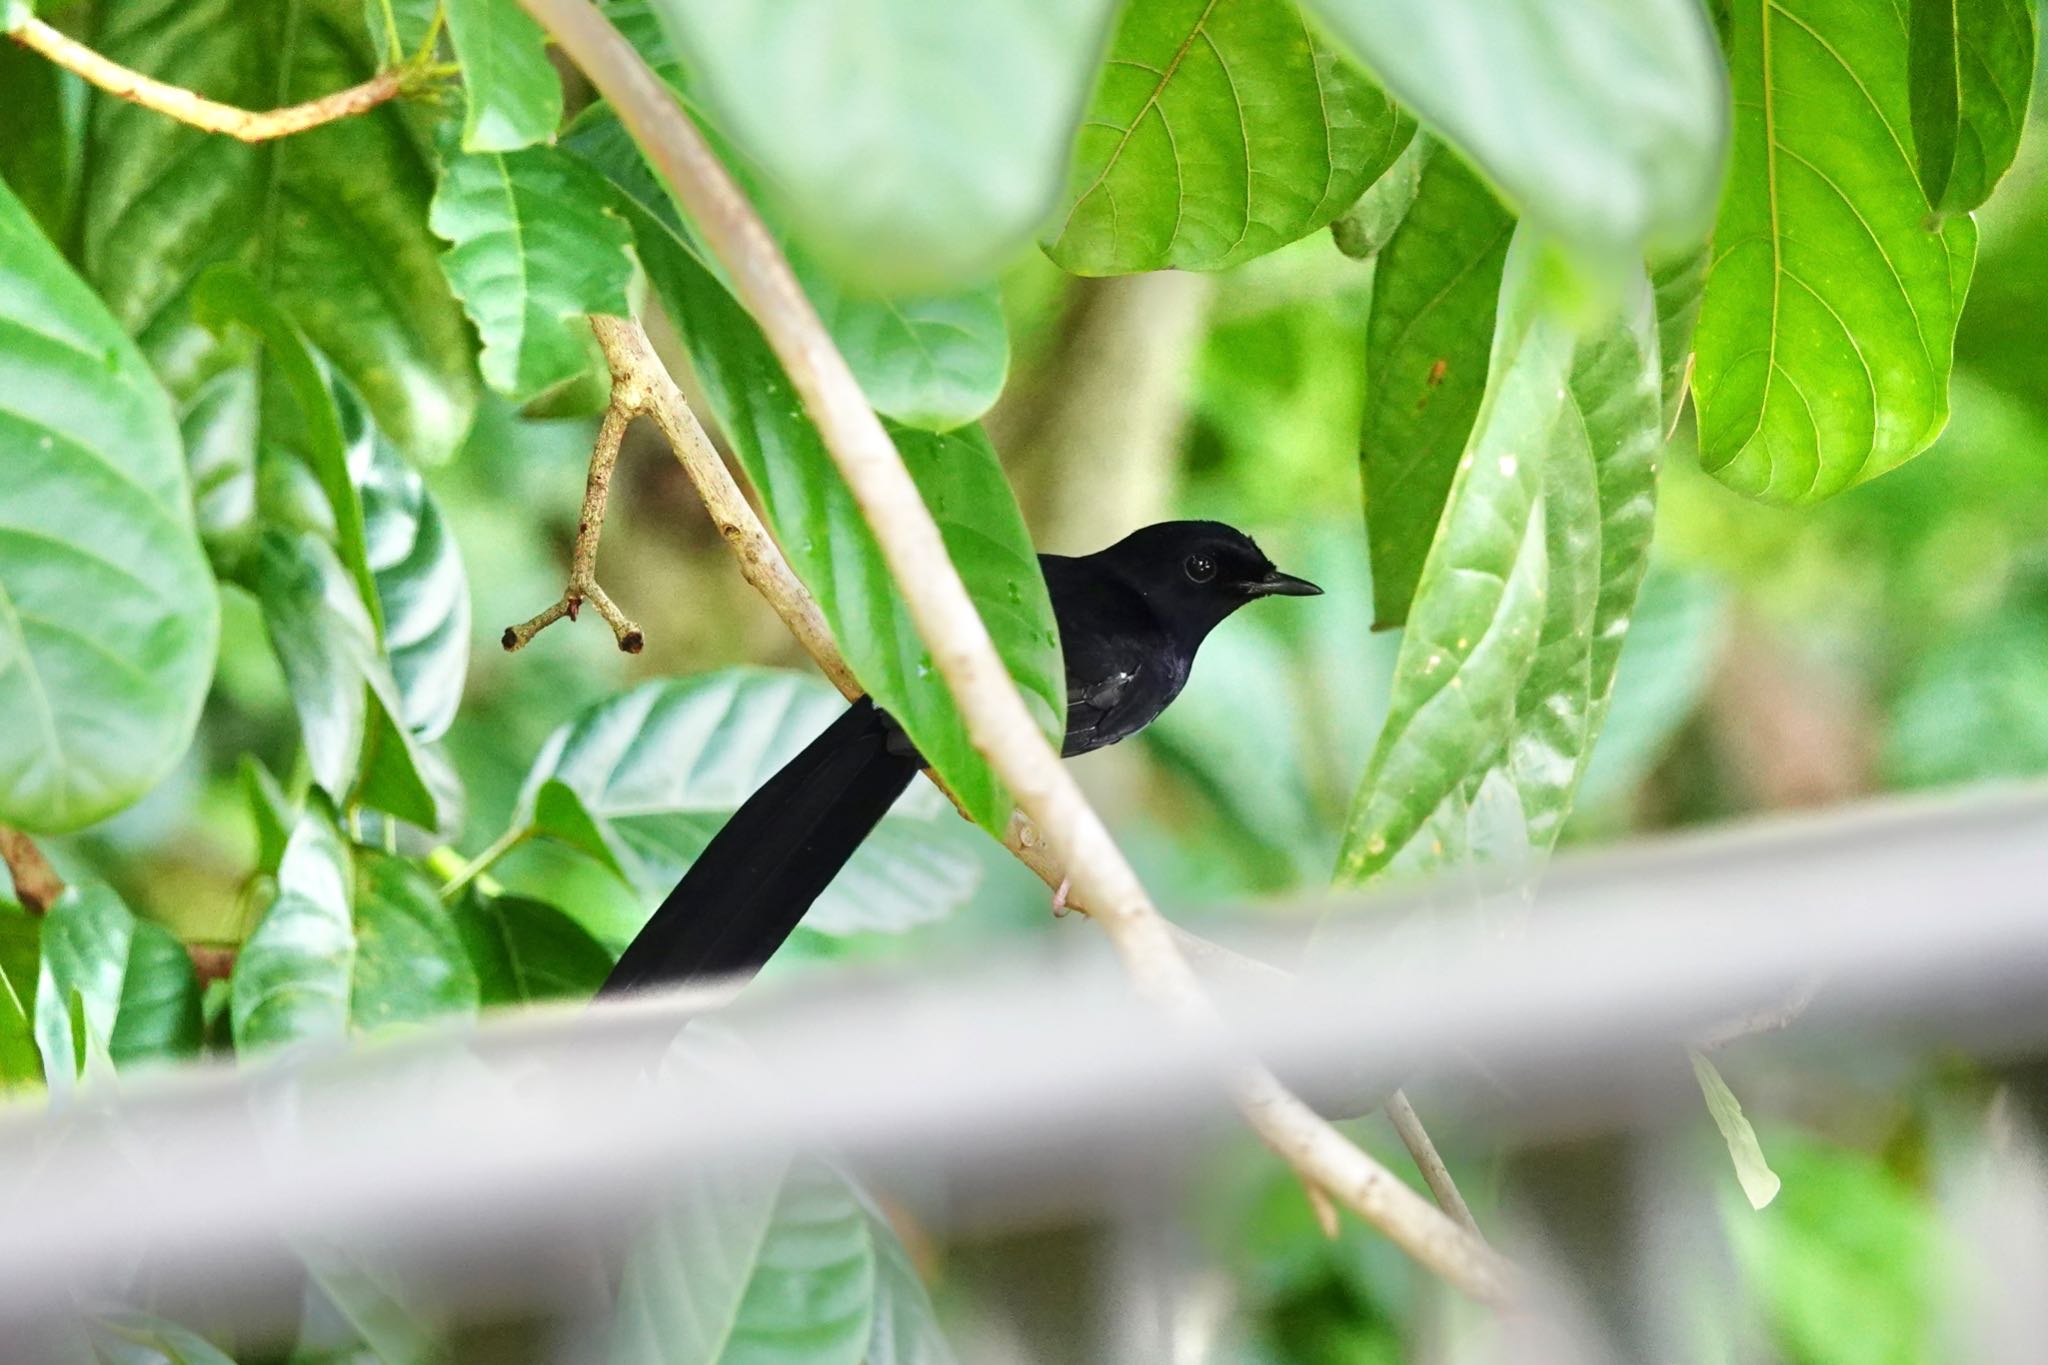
x: 1430, y: 1162
x: 583, y: 586
x: 997, y: 720
x: 36, y: 884
x: 189, y: 108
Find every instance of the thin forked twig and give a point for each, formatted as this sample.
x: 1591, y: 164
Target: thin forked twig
x: 1408, y: 1124
x: 998, y: 722
x: 174, y: 101
x: 583, y: 586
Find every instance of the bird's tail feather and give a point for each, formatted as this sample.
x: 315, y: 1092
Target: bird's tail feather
x: 746, y: 892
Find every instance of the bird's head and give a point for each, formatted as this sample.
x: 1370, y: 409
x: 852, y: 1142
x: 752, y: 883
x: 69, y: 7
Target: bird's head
x: 1195, y: 573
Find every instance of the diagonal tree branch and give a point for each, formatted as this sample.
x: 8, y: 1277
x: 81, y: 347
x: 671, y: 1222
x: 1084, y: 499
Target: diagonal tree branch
x: 997, y: 720
x: 174, y: 101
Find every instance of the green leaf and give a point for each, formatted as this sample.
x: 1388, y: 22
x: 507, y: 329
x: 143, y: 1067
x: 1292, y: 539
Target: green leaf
x: 108, y: 616
x: 514, y: 96
x: 533, y: 251
x: 421, y: 588
x: 38, y: 141
x: 291, y: 982
x: 909, y: 144
x: 1760, y: 1184
x: 127, y: 982
x: 21, y: 951
x: 906, y: 1327
x: 1972, y: 67
x: 1220, y: 130
x: 271, y: 811
x: 410, y: 964
x: 1679, y: 279
x: 348, y: 703
x: 655, y: 772
x: 1435, y: 287
x: 1365, y: 228
x: 1825, y: 336
x: 1479, y: 609
x: 759, y: 1268
x: 526, y: 950
x: 1604, y: 121
x: 227, y: 294
x: 829, y: 544
x: 331, y: 222
x: 932, y: 360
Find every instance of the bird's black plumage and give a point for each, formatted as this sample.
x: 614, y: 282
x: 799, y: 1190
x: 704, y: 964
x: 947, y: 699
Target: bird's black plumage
x: 1130, y: 620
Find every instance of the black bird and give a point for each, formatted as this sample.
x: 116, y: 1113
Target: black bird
x: 1130, y: 619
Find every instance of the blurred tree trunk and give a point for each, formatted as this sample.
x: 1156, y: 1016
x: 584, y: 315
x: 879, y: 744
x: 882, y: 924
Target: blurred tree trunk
x: 1090, y: 434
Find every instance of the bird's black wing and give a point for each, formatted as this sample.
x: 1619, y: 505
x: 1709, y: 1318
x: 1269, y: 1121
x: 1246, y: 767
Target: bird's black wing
x: 1121, y: 671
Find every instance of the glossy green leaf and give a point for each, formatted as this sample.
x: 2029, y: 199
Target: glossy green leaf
x: 1679, y: 279
x: 21, y: 952
x: 1435, y: 287
x: 1972, y: 68
x: 526, y: 950
x: 349, y: 707
x: 410, y: 963
x: 331, y: 222
x: 830, y: 546
x: 271, y: 811
x: 108, y: 616
x: 754, y: 1270
x: 655, y: 772
x: 1604, y: 121
x: 514, y: 98
x: 291, y: 979
x: 1760, y: 1184
x: 534, y: 250
x: 421, y: 588
x: 1479, y: 609
x: 1825, y: 335
x: 111, y: 986
x: 1364, y: 229
x: 839, y: 102
x: 1220, y: 129
x: 932, y: 360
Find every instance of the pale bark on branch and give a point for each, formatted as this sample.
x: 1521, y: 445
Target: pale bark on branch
x: 998, y: 722
x: 188, y: 107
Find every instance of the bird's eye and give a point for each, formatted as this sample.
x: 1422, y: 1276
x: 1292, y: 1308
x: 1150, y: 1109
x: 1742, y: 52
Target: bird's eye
x: 1201, y: 568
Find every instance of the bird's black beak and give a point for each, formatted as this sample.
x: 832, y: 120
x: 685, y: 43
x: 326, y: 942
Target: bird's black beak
x: 1277, y: 584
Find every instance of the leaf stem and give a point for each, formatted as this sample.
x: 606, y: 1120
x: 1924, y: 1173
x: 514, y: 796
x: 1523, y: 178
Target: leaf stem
x: 482, y: 862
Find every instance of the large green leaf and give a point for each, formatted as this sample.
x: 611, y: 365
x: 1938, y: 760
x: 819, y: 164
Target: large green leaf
x: 828, y: 541
x: 1825, y: 336
x: 754, y: 1270
x: 526, y: 950
x: 645, y: 779
x: 1435, y: 286
x: 1376, y: 215
x: 110, y: 986
x: 514, y: 98
x: 1479, y: 609
x: 533, y: 251
x: 410, y: 964
x: 331, y: 222
x: 1603, y: 120
x: 1220, y: 130
x: 932, y: 360
x: 1508, y: 664
x: 108, y: 616
x: 349, y: 706
x: 909, y: 143
x: 292, y: 978
x: 1972, y: 67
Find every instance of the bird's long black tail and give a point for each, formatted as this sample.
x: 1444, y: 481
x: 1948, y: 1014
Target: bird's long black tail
x: 746, y: 892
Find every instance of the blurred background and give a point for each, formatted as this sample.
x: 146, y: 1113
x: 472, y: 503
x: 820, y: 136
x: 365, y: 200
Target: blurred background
x: 1895, y: 638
